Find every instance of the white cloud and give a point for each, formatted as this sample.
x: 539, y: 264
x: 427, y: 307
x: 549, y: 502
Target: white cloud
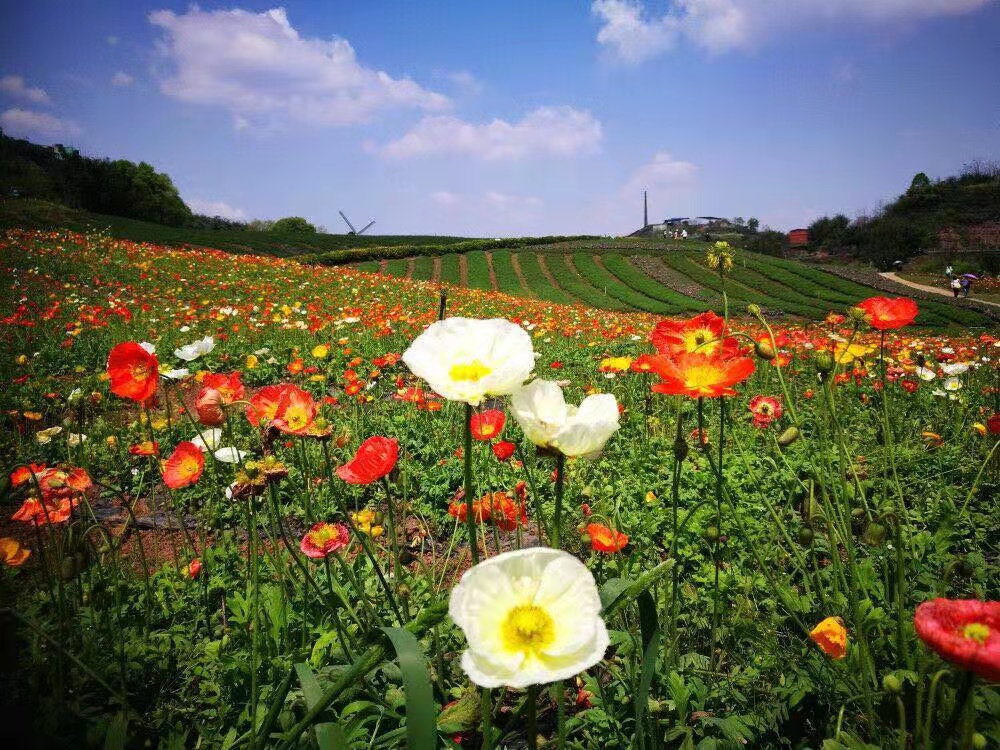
x: 257, y: 65
x: 632, y: 35
x: 111, y: 40
x: 465, y: 82
x: 664, y: 174
x: 216, y: 208
x: 546, y: 131
x: 16, y: 87
x: 27, y: 123
x: 446, y: 198
x: 121, y: 78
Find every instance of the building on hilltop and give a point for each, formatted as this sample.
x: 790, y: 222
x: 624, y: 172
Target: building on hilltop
x: 798, y: 237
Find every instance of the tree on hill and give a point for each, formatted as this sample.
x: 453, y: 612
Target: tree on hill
x: 829, y: 231
x: 293, y: 225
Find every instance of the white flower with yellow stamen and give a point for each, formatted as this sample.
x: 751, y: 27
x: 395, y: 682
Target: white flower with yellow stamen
x: 549, y: 422
x: 465, y: 359
x: 530, y: 617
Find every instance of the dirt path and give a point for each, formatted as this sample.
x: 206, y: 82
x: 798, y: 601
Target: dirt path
x: 383, y: 266
x: 543, y: 266
x: 463, y: 270
x: 493, y: 274
x: 410, y: 264
x: 436, y: 273
x: 891, y: 276
x: 520, y: 276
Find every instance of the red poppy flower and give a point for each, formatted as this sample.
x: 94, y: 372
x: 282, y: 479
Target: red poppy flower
x: 605, y: 539
x: 884, y: 314
x: 375, y: 458
x: 60, y: 483
x: 296, y: 410
x: 145, y: 448
x: 264, y: 404
x: 184, y: 466
x: 487, y: 425
x: 133, y: 372
x: 695, y: 375
x: 503, y: 450
x: 480, y: 510
x: 644, y: 363
x: 965, y: 632
x: 704, y: 334
x: 208, y: 405
x: 38, y: 511
x: 993, y: 424
x: 229, y: 385
x: 506, y: 512
x: 765, y: 410
x: 324, y: 538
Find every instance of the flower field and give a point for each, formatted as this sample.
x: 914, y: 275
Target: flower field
x: 255, y: 503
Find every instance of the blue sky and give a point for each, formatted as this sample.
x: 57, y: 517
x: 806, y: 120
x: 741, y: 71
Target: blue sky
x: 520, y: 117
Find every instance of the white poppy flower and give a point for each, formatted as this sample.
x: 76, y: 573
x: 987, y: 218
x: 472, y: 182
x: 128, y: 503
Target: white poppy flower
x: 175, y: 374
x: 925, y: 373
x: 230, y: 455
x: 190, y: 352
x: 549, y: 422
x: 530, y: 617
x: 952, y: 384
x: 151, y: 348
x: 208, y: 440
x: 44, y: 437
x: 75, y: 439
x: 956, y: 368
x: 465, y: 359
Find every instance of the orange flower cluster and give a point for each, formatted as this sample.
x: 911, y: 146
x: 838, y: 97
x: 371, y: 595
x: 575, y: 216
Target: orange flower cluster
x: 697, y: 358
x: 506, y: 512
x: 53, y: 492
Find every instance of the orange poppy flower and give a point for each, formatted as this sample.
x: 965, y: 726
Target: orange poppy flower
x: 264, y: 404
x: 192, y: 570
x: 296, y: 410
x: 506, y: 512
x: 704, y: 334
x: 133, y: 372
x: 884, y: 314
x: 184, y: 466
x: 487, y: 425
x: 229, y: 385
x: 605, y: 539
x: 23, y: 474
x: 831, y: 636
x: 12, y: 553
x: 38, y: 511
x: 145, y: 448
x: 695, y: 375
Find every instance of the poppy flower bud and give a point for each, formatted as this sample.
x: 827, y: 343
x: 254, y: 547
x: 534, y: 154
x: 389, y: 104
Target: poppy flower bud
x: 209, y: 407
x: 586, y: 510
x: 824, y: 362
x: 711, y: 534
x: 891, y: 684
x: 680, y: 448
x: 806, y: 536
x: 875, y: 534
x: 978, y: 741
x: 764, y: 350
x: 788, y: 437
x: 754, y: 309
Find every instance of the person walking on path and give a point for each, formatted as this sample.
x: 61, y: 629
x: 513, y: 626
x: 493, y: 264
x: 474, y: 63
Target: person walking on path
x: 965, y: 286
x: 956, y: 287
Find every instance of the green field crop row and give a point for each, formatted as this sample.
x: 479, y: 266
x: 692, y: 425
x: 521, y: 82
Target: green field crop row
x: 399, y: 250
x: 601, y: 279
x: 479, y: 270
x: 637, y: 280
x: 450, y: 273
x: 423, y: 269
x: 578, y: 286
x: 539, y: 284
x: 503, y: 269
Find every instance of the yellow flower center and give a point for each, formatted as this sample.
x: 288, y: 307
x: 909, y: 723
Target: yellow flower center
x: 474, y: 371
x: 486, y: 429
x: 527, y: 628
x: 296, y: 417
x: 702, y: 376
x: 977, y: 631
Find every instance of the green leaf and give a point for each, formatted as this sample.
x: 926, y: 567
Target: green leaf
x: 117, y: 733
x: 649, y: 627
x: 611, y: 590
x: 328, y: 735
x: 421, y: 713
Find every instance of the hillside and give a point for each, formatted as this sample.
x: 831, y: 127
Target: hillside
x: 660, y: 277
x: 46, y: 215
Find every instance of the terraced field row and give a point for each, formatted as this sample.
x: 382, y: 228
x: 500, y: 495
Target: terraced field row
x: 621, y: 275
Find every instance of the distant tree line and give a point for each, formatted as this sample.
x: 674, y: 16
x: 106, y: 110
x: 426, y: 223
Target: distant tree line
x: 115, y: 187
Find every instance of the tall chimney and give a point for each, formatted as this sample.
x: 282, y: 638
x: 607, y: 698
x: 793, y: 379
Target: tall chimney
x: 645, y: 211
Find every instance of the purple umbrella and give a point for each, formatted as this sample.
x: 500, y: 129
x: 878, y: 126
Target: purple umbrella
x: 970, y: 276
